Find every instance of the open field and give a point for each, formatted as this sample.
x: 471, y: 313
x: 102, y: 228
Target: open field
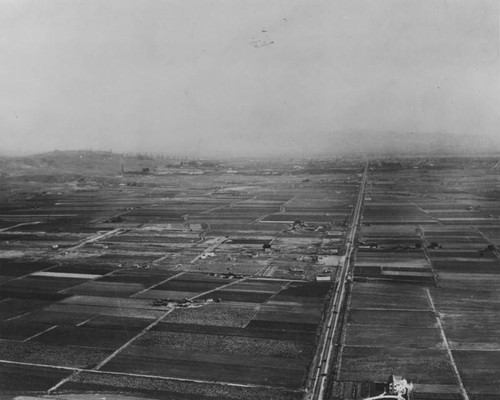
x: 206, y: 286
x: 424, y: 301
x: 170, y: 285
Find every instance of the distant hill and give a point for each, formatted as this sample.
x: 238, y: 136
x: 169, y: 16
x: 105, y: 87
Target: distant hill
x: 76, y: 162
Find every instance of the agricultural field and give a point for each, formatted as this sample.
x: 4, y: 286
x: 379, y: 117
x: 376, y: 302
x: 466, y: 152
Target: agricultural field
x: 199, y: 283
x: 425, y: 299
x: 167, y: 283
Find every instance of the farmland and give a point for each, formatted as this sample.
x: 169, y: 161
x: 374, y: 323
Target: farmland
x: 168, y: 283
x: 216, y: 280
x: 424, y: 299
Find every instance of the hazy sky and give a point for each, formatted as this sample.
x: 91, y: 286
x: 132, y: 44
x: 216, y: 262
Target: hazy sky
x: 242, y: 75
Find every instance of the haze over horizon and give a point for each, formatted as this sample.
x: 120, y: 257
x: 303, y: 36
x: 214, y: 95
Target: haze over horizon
x: 247, y: 76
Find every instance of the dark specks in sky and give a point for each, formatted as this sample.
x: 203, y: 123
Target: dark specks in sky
x: 260, y: 43
x: 263, y: 41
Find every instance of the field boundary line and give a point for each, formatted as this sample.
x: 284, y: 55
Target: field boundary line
x: 158, y: 284
x: 40, y: 365
x: 18, y: 316
x: 217, y: 288
x: 421, y: 233
x: 40, y: 333
x: 87, y: 320
x: 20, y: 224
x: 447, y: 347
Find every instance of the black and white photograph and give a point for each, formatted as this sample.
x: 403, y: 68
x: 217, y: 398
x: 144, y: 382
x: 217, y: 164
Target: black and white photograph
x: 250, y: 200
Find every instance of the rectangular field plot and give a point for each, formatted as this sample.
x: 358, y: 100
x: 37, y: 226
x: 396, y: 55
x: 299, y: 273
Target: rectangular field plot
x: 20, y: 330
x: 61, y: 356
x: 260, y: 285
x: 476, y: 339
x: 390, y: 296
x: 129, y: 258
x: 388, y: 260
x: 313, y: 307
x: 154, y: 294
x: 115, y: 311
x: 409, y: 318
x: 306, y: 289
x: 119, y: 323
x: 375, y: 364
x: 459, y: 319
x: 309, y: 218
x: 85, y: 269
x: 211, y: 367
x: 282, y: 316
x: 219, y: 314
x: 38, y: 287
x: 486, y: 266
x: 11, y: 308
x: 50, y: 274
x: 242, y: 267
x: 54, y: 318
x: 454, y: 301
x: 283, y: 325
x: 397, y: 336
x: 479, y: 371
x: 173, y: 388
x: 137, y: 276
x: 89, y: 337
x: 460, y: 254
x: 189, y: 285
x: 18, y: 268
x: 475, y: 282
x: 115, y: 302
x: 238, y: 296
x: 106, y: 289
x: 277, y: 334
x: 16, y: 378
x: 166, y: 341
x: 382, y: 213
